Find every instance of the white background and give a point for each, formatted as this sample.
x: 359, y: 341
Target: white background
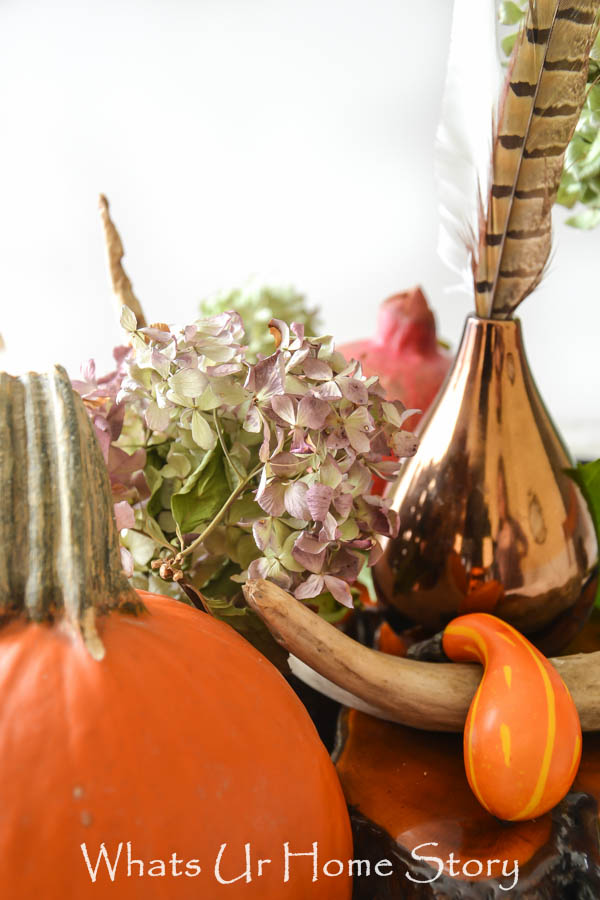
x: 291, y: 139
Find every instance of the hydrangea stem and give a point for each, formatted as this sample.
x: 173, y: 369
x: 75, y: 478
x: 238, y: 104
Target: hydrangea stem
x: 218, y: 518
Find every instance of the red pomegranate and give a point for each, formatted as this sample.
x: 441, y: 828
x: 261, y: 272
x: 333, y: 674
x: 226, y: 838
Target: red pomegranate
x: 405, y: 352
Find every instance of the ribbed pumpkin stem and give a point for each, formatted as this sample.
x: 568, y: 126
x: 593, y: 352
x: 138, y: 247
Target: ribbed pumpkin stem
x: 59, y: 550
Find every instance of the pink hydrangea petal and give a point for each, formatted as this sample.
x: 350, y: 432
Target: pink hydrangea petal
x: 271, y: 499
x: 347, y: 564
x: 158, y: 334
x: 265, y: 447
x: 318, y: 500
x: 298, y: 357
x: 310, y: 544
x: 403, y: 443
x: 269, y: 376
x: 329, y: 390
x: 284, y: 407
x: 329, y: 531
x: 126, y: 561
x: 88, y: 371
x: 339, y: 589
x: 286, y: 465
x: 115, y: 419
x: 312, y: 587
x: 336, y: 440
x: 124, y: 515
x: 354, y: 390
x: 376, y: 553
x: 313, y: 412
x: 253, y: 420
x: 262, y: 533
x: 283, y: 330
x: 312, y: 562
x: 122, y: 465
x: 298, y: 329
x: 103, y: 437
x: 317, y: 369
x: 259, y: 568
x: 299, y: 443
x: 343, y: 503
x: 295, y: 501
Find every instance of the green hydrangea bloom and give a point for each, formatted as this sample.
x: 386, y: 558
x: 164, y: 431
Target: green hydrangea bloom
x: 257, y: 304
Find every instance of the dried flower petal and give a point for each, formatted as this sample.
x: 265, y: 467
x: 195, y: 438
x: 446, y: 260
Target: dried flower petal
x: 269, y: 376
x: 340, y: 590
x: 353, y: 389
x: 317, y: 369
x: 313, y: 412
x: 272, y: 498
x: 284, y: 407
x: 312, y: 587
x: 403, y: 444
x: 157, y: 419
x: 188, y: 382
x: 295, y: 501
x: 286, y: 465
x: 124, y: 515
x: 127, y: 561
x: 202, y: 433
x: 318, y: 500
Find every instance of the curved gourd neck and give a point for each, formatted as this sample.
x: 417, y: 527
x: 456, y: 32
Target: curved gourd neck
x: 59, y: 550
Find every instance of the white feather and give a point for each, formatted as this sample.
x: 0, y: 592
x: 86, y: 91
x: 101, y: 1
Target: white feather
x: 329, y: 689
x: 465, y: 133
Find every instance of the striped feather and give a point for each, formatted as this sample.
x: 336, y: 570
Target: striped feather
x: 542, y: 99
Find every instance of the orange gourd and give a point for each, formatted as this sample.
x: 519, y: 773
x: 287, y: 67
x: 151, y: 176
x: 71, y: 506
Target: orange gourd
x: 522, y: 739
x: 132, y: 720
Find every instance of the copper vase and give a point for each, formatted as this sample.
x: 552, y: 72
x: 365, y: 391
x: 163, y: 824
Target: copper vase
x: 489, y: 519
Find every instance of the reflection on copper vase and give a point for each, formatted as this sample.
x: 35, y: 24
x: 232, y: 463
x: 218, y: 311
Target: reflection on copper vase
x: 489, y: 521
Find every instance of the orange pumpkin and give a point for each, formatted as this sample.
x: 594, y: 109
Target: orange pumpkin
x: 522, y: 740
x: 134, y: 722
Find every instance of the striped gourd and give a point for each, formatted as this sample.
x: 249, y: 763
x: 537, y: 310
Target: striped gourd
x: 522, y: 739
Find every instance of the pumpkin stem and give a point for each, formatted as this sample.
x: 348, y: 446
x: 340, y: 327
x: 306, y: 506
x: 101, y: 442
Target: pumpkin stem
x: 59, y: 549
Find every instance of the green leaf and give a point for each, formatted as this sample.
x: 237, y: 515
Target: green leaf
x: 508, y: 43
x: 141, y: 547
x: 226, y: 602
x: 152, y: 528
x: 586, y: 219
x: 203, y: 493
x: 202, y: 432
x: 568, y: 192
x: 128, y: 319
x: 587, y: 477
x: 188, y: 382
x: 155, y: 480
x: 510, y: 13
x: 245, y: 509
x: 365, y: 578
x: 328, y: 608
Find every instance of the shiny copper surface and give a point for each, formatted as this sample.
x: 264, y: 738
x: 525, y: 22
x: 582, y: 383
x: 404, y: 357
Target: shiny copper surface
x: 488, y: 518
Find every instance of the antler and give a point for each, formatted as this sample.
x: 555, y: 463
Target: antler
x: 121, y: 282
x: 430, y: 696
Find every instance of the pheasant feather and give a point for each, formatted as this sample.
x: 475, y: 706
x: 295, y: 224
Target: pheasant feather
x: 538, y: 111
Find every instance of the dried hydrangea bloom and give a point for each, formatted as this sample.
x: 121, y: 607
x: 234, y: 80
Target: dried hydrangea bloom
x: 255, y: 468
